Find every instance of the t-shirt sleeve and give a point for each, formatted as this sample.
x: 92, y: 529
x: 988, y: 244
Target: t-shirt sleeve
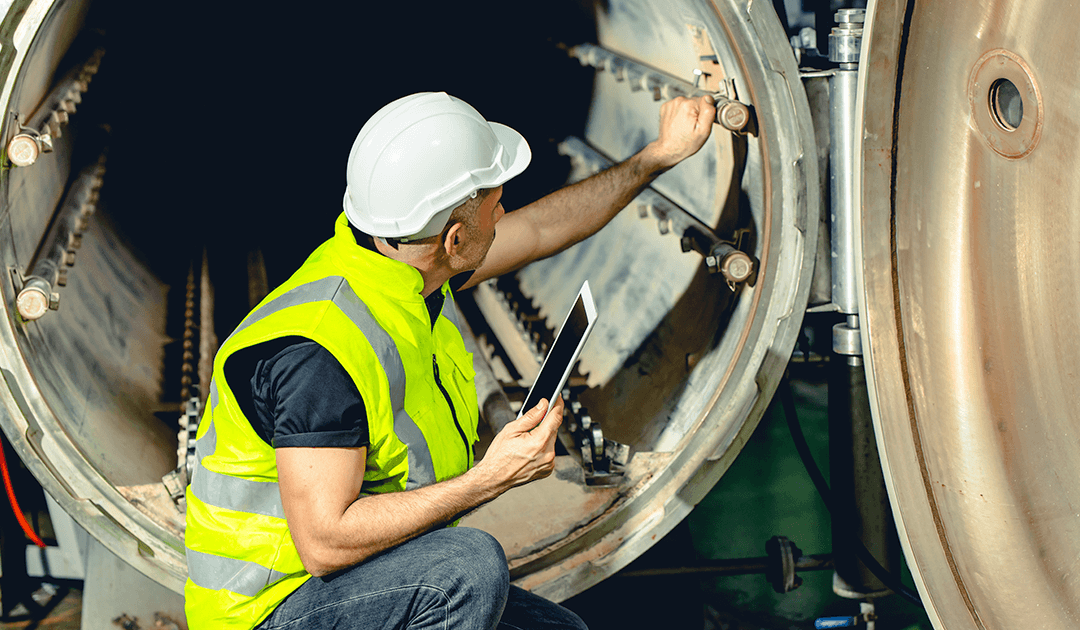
x: 460, y: 279
x: 310, y: 397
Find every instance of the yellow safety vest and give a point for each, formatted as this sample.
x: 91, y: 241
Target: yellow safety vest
x: 367, y: 311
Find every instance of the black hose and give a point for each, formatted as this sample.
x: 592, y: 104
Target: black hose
x: 787, y: 399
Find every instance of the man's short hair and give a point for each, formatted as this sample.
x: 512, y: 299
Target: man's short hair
x: 465, y: 214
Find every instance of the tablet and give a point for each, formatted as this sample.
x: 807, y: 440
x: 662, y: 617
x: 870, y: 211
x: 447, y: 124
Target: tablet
x: 564, y: 351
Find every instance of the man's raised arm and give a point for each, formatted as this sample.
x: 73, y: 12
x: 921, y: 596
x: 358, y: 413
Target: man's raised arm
x: 571, y: 214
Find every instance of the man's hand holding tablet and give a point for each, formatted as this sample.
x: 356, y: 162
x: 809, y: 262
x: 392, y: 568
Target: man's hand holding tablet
x: 525, y: 449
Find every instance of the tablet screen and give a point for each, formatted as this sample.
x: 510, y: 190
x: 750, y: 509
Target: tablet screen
x: 564, y: 351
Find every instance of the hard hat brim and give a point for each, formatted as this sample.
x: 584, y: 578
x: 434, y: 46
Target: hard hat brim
x: 515, y: 144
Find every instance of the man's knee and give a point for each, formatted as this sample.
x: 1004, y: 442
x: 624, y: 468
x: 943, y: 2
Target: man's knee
x: 469, y: 567
x: 477, y: 556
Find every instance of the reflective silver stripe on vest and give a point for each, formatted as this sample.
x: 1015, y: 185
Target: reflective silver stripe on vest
x: 218, y: 573
x: 317, y: 291
x: 421, y: 468
x: 233, y: 493
x: 450, y: 311
x: 213, y: 398
x: 226, y: 491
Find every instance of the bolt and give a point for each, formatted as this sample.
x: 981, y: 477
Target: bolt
x: 733, y: 115
x: 737, y: 266
x: 32, y: 303
x: 23, y: 150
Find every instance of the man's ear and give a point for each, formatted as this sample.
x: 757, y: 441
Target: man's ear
x: 452, y: 243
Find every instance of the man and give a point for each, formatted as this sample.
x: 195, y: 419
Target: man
x: 337, y: 440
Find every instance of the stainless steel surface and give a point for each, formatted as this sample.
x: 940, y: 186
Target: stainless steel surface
x: 843, y: 87
x: 970, y: 243
x: 846, y: 338
x: 842, y: 92
x: 845, y: 39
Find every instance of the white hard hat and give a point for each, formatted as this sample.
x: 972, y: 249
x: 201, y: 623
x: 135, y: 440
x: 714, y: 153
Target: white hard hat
x: 420, y: 157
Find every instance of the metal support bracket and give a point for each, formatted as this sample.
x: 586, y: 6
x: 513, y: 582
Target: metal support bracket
x: 604, y: 460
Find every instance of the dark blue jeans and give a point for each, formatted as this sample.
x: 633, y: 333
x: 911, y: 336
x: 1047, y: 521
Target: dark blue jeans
x: 451, y: 579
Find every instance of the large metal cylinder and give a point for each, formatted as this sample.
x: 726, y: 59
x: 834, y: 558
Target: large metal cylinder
x: 970, y: 259
x: 680, y: 370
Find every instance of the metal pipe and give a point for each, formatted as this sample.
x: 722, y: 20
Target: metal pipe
x: 738, y: 566
x: 861, y: 509
x: 843, y: 85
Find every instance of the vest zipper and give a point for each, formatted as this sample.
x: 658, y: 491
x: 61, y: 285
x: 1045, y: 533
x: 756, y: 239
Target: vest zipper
x: 446, y: 395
